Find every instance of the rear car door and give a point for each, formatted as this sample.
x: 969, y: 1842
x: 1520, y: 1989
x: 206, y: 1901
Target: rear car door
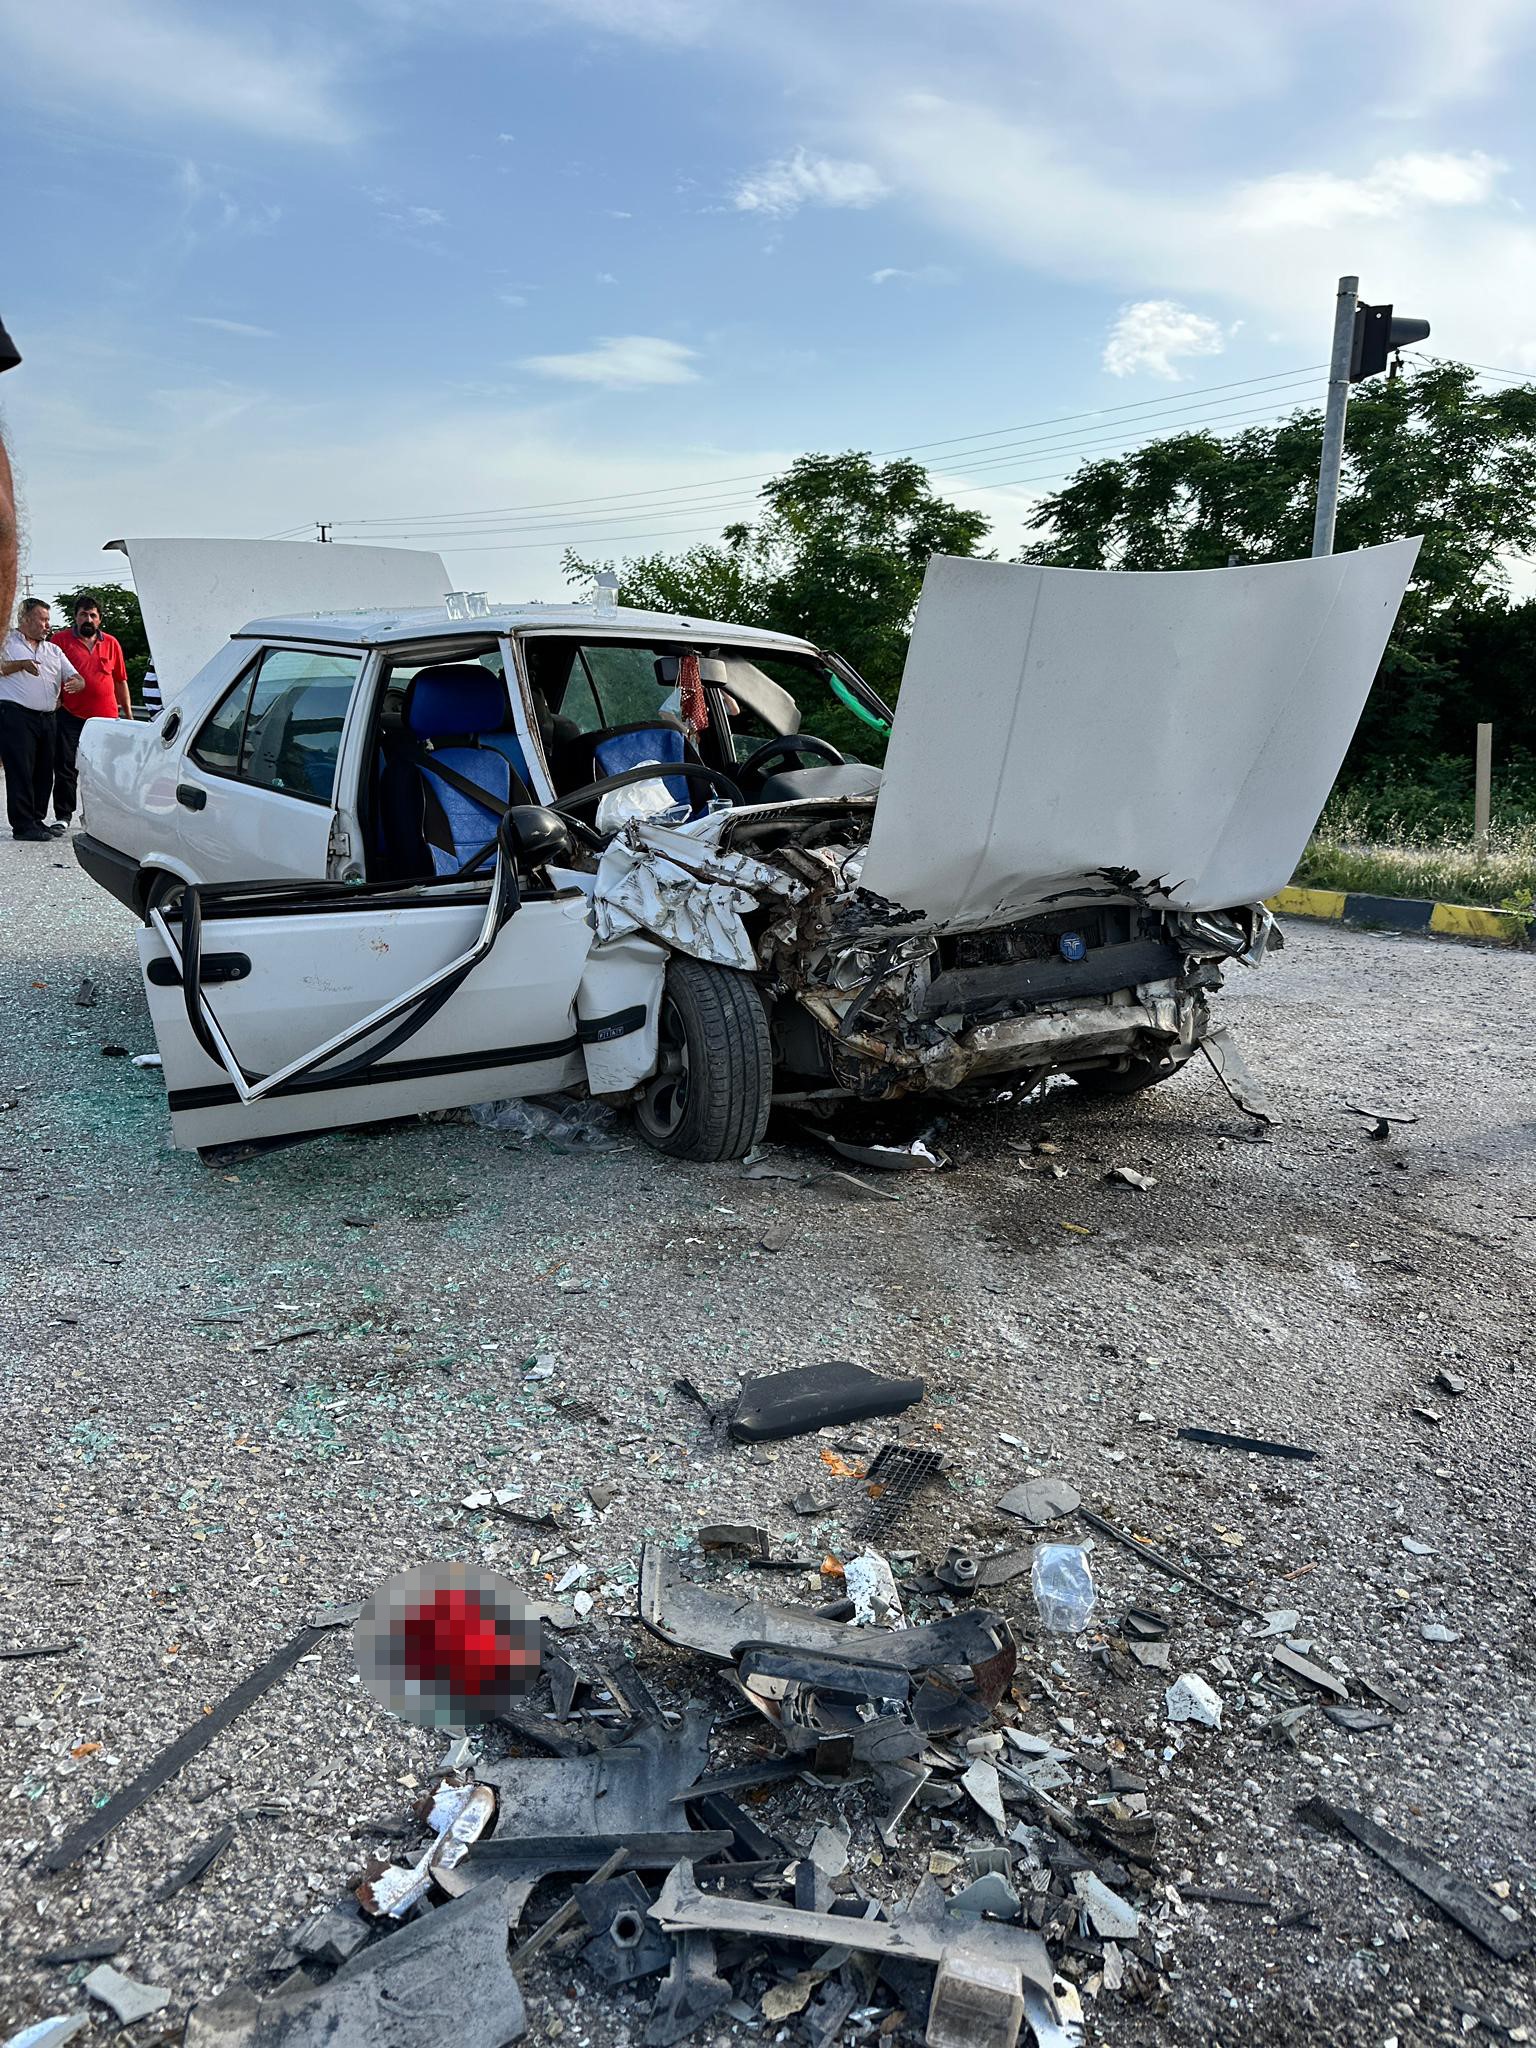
x: 257, y: 783
x: 280, y: 1009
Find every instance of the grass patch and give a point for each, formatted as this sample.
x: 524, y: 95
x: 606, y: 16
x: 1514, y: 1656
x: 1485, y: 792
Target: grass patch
x: 1359, y: 845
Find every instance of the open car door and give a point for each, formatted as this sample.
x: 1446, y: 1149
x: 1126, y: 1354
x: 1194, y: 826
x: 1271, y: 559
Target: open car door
x: 282, y: 1007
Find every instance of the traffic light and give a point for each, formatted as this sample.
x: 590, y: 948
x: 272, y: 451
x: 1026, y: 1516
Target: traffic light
x: 1377, y: 336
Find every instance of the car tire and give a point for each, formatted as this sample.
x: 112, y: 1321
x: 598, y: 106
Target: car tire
x: 713, y: 1087
x: 1128, y: 1080
x: 158, y: 889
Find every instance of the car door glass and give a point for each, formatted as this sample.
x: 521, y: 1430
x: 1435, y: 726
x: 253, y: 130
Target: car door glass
x: 293, y: 726
x: 217, y: 746
x: 626, y: 684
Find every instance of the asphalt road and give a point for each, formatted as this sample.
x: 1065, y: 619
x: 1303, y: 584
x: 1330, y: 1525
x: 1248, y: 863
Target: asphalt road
x: 233, y: 1393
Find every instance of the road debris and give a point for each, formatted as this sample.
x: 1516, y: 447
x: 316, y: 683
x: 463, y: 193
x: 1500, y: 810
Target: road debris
x: 202, y: 1858
x: 39, y: 1650
x: 1128, y: 1177
x: 127, y: 1999
x: 1470, y: 1908
x: 1041, y: 1501
x: 1191, y: 1698
x: 810, y: 1397
x: 1231, y: 1070
x: 50, y: 2033
x: 1063, y: 1587
x: 172, y: 1759
x: 1162, y: 1562
x: 1264, y: 1446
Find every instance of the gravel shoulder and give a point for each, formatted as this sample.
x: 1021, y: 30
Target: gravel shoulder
x: 232, y: 1394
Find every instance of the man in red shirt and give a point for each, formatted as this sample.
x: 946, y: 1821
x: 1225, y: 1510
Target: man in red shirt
x: 98, y: 659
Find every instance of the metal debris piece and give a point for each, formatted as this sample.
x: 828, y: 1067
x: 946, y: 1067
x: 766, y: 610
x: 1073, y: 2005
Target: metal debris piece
x: 50, y: 2033
x: 1041, y: 1501
x: 691, y: 1992
x: 171, y: 1759
x: 1163, y: 1562
x: 85, y: 995
x: 1145, y: 1623
x: 1231, y: 1070
x: 444, y: 1981
x: 1190, y: 1698
x: 810, y: 1397
x: 1005, y: 1566
x: 1107, y: 1914
x: 900, y: 1783
x: 738, y: 1536
x: 1464, y: 1903
x: 1450, y: 1382
x: 1151, y: 1656
x: 897, y: 1474
x: 590, y: 1855
x: 565, y: 1914
x: 990, y: 1957
x: 128, y: 1999
x: 1128, y: 1177
x: 1222, y: 1895
x: 630, y: 1786
x: 83, y: 1951
x: 333, y: 1936
x: 851, y: 1188
x: 990, y: 1894
x: 457, y: 1814
x: 625, y: 1944
x: 1264, y: 1446
x: 1314, y: 1674
x: 1380, y: 1117
x: 981, y: 1782
x: 340, y: 1614
x: 872, y: 1589
x: 958, y: 1571
x: 1437, y: 1632
x: 200, y: 1860
x: 40, y: 1650
x: 1280, y: 1621
x: 1057, y: 2021
x: 916, y: 1156
x: 769, y: 1770
x: 723, y: 1624
x: 1358, y: 1720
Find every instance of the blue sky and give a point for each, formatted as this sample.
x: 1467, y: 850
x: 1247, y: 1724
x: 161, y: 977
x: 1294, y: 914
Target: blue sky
x: 392, y: 259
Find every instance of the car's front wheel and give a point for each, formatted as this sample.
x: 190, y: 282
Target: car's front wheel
x: 713, y: 1086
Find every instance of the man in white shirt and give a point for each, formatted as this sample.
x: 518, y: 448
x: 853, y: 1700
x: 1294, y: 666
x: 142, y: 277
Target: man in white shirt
x: 33, y: 672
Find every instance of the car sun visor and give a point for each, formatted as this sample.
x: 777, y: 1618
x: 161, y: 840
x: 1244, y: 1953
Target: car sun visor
x: 1065, y: 736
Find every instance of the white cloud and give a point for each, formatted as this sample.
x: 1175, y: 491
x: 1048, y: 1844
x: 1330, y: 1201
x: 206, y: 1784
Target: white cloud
x: 782, y: 188
x: 165, y: 61
x: 925, y: 273
x: 1390, y: 188
x: 504, y: 137
x: 621, y: 362
x: 1151, y: 333
x: 513, y: 298
x: 243, y: 327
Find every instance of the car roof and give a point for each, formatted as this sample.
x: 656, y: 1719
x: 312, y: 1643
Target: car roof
x: 619, y: 622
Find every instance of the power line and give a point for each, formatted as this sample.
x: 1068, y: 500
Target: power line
x: 1144, y: 405
x: 633, y: 539
x: 640, y: 522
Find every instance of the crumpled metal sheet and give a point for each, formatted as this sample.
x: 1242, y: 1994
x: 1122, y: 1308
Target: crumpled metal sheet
x: 674, y: 882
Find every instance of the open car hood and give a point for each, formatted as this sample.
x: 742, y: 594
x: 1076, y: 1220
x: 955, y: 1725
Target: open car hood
x: 1066, y: 736
x: 195, y: 593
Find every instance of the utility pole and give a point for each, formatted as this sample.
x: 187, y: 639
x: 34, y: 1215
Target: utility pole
x: 1333, y: 423
x: 1482, y: 788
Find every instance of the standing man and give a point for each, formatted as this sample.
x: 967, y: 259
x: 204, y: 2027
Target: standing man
x: 97, y: 658
x: 33, y: 672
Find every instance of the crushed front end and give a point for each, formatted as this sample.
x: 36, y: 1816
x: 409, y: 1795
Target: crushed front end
x: 862, y: 1002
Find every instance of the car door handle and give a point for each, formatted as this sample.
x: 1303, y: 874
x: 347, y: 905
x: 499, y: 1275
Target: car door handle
x: 191, y: 796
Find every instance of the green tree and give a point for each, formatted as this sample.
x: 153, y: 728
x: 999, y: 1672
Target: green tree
x: 120, y: 616
x: 1426, y: 453
x: 837, y: 556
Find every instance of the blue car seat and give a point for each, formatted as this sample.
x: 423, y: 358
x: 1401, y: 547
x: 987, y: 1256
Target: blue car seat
x: 629, y: 746
x: 431, y: 821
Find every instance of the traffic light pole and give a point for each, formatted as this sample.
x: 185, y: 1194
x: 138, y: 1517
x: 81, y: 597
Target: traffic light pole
x: 1333, y: 424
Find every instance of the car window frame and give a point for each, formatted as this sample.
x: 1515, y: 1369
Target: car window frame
x: 247, y: 678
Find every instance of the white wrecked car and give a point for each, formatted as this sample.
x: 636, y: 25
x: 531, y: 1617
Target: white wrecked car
x: 395, y: 861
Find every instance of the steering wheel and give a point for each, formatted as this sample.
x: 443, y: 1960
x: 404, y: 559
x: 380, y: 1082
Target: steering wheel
x: 787, y: 744
x: 647, y: 771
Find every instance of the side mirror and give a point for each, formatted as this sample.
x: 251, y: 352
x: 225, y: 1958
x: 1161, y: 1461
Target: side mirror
x: 536, y: 837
